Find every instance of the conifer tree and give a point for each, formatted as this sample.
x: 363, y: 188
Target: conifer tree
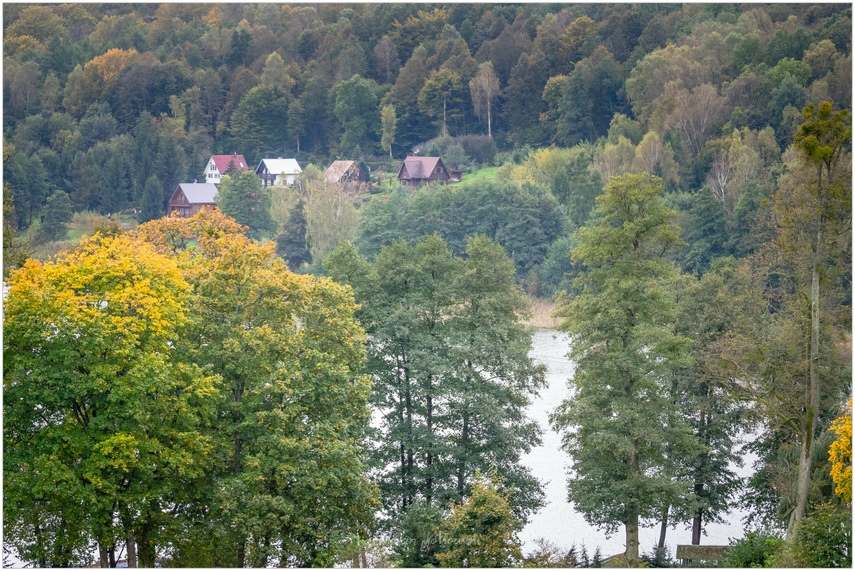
x: 292, y: 242
x: 241, y: 197
x: 151, y: 206
x: 57, y: 214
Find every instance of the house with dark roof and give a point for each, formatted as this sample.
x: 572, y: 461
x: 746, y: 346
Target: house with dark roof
x: 192, y: 197
x: 415, y: 171
x: 219, y: 164
x: 346, y: 172
x: 278, y: 172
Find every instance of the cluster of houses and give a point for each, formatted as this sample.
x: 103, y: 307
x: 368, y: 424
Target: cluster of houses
x: 192, y: 197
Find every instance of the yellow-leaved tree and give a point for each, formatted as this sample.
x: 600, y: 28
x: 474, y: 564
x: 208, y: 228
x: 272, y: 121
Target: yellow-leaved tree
x: 101, y: 428
x: 288, y: 483
x: 840, y: 455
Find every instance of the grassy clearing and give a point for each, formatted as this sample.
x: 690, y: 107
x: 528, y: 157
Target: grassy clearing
x: 83, y: 223
x: 483, y: 174
x: 541, y: 314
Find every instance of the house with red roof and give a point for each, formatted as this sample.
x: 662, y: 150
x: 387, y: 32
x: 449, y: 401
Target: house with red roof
x: 415, y: 171
x: 219, y: 164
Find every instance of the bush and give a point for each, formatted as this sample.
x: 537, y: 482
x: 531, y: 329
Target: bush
x: 417, y: 537
x: 658, y: 557
x: 84, y: 222
x: 825, y: 538
x: 754, y: 550
x: 479, y: 148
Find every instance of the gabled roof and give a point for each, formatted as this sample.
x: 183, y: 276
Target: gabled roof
x: 338, y: 169
x: 418, y: 167
x: 279, y: 166
x: 198, y: 192
x: 222, y: 162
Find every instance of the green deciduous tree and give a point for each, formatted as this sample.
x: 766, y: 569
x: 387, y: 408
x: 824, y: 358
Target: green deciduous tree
x: 103, y: 438
x: 706, y: 314
x: 442, y: 99
x: 814, y: 223
x: 389, y: 124
x: 330, y: 214
x: 242, y: 197
x: 289, y: 481
x: 783, y: 353
x: 451, y: 369
x: 523, y: 219
x: 356, y: 110
x: 484, y: 88
x: 258, y: 123
x: 621, y: 427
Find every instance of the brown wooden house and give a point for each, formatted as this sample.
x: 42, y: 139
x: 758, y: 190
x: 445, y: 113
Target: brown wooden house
x: 192, y: 197
x: 346, y: 172
x: 422, y: 170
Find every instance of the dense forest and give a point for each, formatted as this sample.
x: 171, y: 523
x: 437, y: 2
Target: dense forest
x: 318, y: 375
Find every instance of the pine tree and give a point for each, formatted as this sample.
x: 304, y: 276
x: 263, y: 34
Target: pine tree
x: 241, y: 197
x: 57, y: 214
x: 706, y: 232
x: 151, y: 207
x: 292, y: 242
x: 114, y: 184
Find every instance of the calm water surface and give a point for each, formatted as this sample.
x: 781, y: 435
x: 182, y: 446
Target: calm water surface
x: 558, y: 521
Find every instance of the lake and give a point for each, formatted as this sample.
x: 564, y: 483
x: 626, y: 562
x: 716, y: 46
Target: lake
x: 558, y: 521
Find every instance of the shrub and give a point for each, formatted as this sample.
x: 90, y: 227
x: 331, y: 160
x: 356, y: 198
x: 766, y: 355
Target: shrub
x: 480, y: 148
x: 825, y: 538
x: 753, y: 550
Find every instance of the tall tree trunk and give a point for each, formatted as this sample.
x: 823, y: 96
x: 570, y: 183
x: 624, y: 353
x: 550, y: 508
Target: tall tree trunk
x: 429, y: 491
x: 262, y: 561
x: 696, y: 527
x: 132, y: 547
x: 663, y: 528
x: 403, y: 454
x: 489, y: 117
x: 803, y: 485
x: 104, y: 557
x: 444, y: 126
x: 812, y: 409
x: 631, y: 556
x: 409, y: 492
x: 461, y: 465
x: 241, y: 553
x: 37, y: 531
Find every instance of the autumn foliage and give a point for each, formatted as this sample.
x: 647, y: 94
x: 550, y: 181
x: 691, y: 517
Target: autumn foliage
x: 181, y: 387
x: 840, y: 456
